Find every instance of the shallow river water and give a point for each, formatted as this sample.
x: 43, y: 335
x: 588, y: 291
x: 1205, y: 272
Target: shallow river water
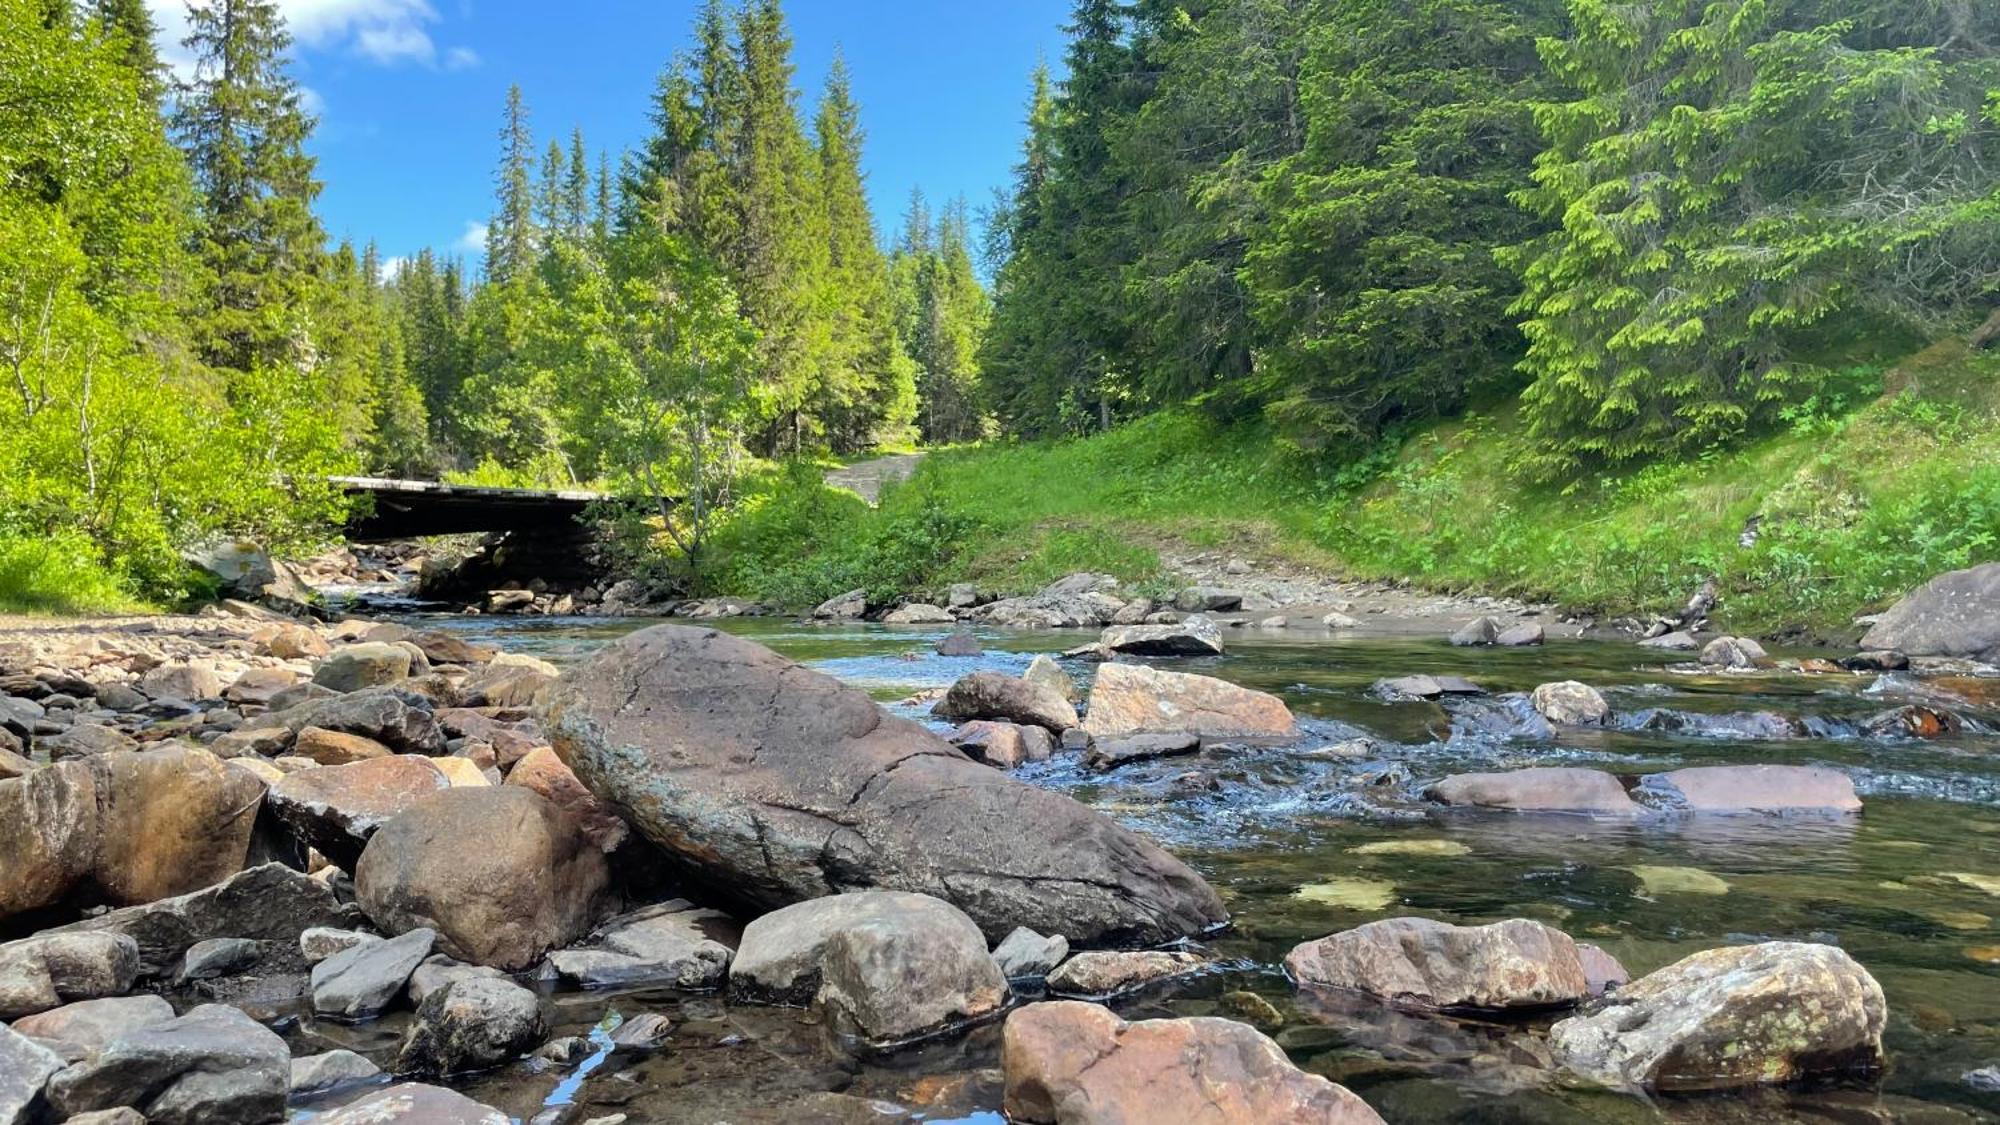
x: 1300, y: 847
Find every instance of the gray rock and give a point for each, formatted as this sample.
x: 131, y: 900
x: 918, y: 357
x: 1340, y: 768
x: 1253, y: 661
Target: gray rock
x: 1724, y: 1018
x: 646, y: 1031
x: 1563, y: 789
x: 1752, y: 789
x: 1422, y: 963
x: 1045, y: 671
x: 1110, y: 753
x: 212, y: 1066
x: 123, y: 1115
x: 336, y: 810
x: 918, y: 613
x: 85, y: 739
x: 52, y: 969
x: 996, y: 695
x: 321, y: 942
x: 1025, y: 954
x: 357, y: 666
x: 1208, y: 599
x: 1477, y: 632
x: 959, y: 642
x: 1570, y: 704
x: 362, y: 982
x: 316, y: 1074
x: 270, y: 902
x: 783, y: 784
x: 215, y: 957
x: 1193, y: 636
x: 439, y: 971
x: 25, y: 1070
x: 674, y: 943
x: 851, y: 606
x: 88, y: 1025
x: 1522, y: 635
x: 1676, y: 641
x: 414, y: 1103
x: 1735, y: 653
x: 1102, y: 973
x: 403, y: 721
x: 119, y: 697
x: 1954, y: 614
x: 470, y: 1025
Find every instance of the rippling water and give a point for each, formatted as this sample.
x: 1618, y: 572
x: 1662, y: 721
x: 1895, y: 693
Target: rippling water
x: 1264, y: 824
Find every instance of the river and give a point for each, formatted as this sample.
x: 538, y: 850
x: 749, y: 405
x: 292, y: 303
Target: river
x: 1300, y: 847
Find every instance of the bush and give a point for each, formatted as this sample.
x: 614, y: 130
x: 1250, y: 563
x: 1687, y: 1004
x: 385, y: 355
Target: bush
x: 60, y: 574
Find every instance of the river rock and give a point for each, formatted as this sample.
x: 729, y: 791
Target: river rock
x: 338, y: 809
x: 673, y: 943
x: 131, y: 827
x: 360, y: 982
x: 86, y: 739
x: 439, y: 971
x: 296, y: 642
x: 216, y: 957
x: 318, y: 943
x: 1601, y: 970
x: 851, y: 606
x: 1101, y: 973
x: 1111, y: 753
x: 403, y: 721
x: 1045, y: 671
x: 1519, y: 636
x: 1004, y: 745
x: 1025, y: 954
x: 1073, y: 1063
x: 25, y: 1069
x: 1737, y: 1016
x: 365, y: 665
x: 1565, y: 789
x: 472, y: 1024
x: 1954, y: 614
x: 1418, y: 962
x: 1734, y: 652
x: 1477, y: 632
x: 779, y: 784
x: 210, y: 1066
x: 12, y: 763
x: 1746, y: 789
x: 336, y: 748
x: 996, y: 695
x: 313, y: 1075
x: 918, y: 613
x: 269, y: 902
x: 49, y: 970
x: 414, y: 1103
x: 181, y: 680
x: 502, y: 875
x: 1133, y: 699
x: 543, y: 772
x: 958, y: 642
x: 1570, y: 704
x: 1420, y: 686
x: 88, y: 1025
x: 1193, y: 636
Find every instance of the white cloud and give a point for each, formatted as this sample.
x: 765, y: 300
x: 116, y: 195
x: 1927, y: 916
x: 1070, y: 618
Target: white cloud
x: 385, y: 32
x: 390, y: 267
x: 311, y: 102
x: 474, y: 238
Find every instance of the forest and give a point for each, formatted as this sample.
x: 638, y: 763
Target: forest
x: 1317, y: 240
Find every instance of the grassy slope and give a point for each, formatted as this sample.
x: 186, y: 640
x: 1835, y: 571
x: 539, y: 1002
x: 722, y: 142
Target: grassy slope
x: 1857, y: 505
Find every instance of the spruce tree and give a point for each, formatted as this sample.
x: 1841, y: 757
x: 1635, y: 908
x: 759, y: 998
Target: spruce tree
x: 510, y: 235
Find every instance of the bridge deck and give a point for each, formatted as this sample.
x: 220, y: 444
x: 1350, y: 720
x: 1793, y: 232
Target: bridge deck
x: 406, y: 509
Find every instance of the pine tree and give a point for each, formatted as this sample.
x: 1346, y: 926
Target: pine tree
x: 510, y: 236
x: 132, y: 25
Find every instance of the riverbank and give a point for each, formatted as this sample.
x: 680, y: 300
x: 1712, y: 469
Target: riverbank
x: 1871, y: 489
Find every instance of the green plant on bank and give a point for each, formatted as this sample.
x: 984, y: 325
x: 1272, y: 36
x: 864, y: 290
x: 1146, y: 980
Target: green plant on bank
x: 59, y: 575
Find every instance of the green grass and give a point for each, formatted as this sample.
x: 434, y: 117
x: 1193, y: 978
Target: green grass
x: 1874, y: 485
x: 59, y: 576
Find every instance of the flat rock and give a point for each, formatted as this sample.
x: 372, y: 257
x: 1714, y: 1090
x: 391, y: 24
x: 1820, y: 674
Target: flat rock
x: 501, y: 874
x: 1421, y: 963
x: 88, y: 1025
x: 1724, y: 1018
x: 996, y: 695
x: 1193, y: 636
x: 1954, y: 614
x: 1676, y: 641
x: 85, y: 739
x: 470, y: 1025
x: 1111, y: 753
x: 1079, y: 1064
x: 321, y: 942
x: 1101, y: 973
x: 336, y: 748
x: 362, y: 981
x: 414, y: 1103
x: 674, y: 943
x: 1564, y: 789
x: 336, y: 810
x: 1753, y: 789
x: 1132, y: 699
x: 212, y: 1065
x: 440, y: 971
x: 401, y: 720
x: 918, y: 613
x: 313, y: 1075
x: 780, y: 784
x: 269, y: 902
x: 1520, y: 636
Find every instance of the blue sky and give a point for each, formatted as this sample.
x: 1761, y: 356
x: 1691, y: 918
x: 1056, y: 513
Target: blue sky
x: 409, y: 93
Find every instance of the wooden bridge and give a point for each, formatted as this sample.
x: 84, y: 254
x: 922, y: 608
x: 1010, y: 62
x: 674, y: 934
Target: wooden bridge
x: 406, y: 509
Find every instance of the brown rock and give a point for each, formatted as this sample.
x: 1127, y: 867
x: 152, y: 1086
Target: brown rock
x: 545, y: 773
x: 1564, y: 789
x: 1746, y: 789
x: 996, y: 695
x: 501, y: 874
x: 1003, y: 745
x: 335, y: 809
x: 260, y: 685
x: 1421, y: 963
x: 1072, y: 1063
x: 1101, y: 973
x: 781, y: 784
x: 336, y: 748
x: 1131, y: 699
x: 296, y: 642
x: 1600, y: 969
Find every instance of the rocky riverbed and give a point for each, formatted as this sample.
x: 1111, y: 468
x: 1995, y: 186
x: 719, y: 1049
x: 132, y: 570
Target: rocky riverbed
x: 554, y: 869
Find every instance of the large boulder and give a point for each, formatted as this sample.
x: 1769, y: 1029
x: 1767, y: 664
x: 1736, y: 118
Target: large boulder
x: 49, y: 970
x: 1738, y: 1016
x: 1752, y: 789
x: 1073, y: 1063
x: 338, y: 809
x: 1954, y: 614
x: 1421, y: 963
x: 212, y: 1065
x: 775, y: 783
x: 1134, y: 699
x: 851, y: 606
x: 1193, y: 636
x: 245, y: 570
x: 1559, y: 789
x: 269, y: 902
x: 996, y: 695
x: 501, y: 874
x: 472, y: 1024
x: 123, y: 828
x: 885, y: 966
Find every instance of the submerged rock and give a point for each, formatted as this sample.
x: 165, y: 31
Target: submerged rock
x: 1954, y: 614
x: 1113, y: 752
x: 1746, y: 789
x: 1079, y: 1064
x: 1428, y: 964
x: 1564, y: 789
x: 778, y: 784
x: 1724, y: 1018
x: 501, y: 874
x: 1133, y: 699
